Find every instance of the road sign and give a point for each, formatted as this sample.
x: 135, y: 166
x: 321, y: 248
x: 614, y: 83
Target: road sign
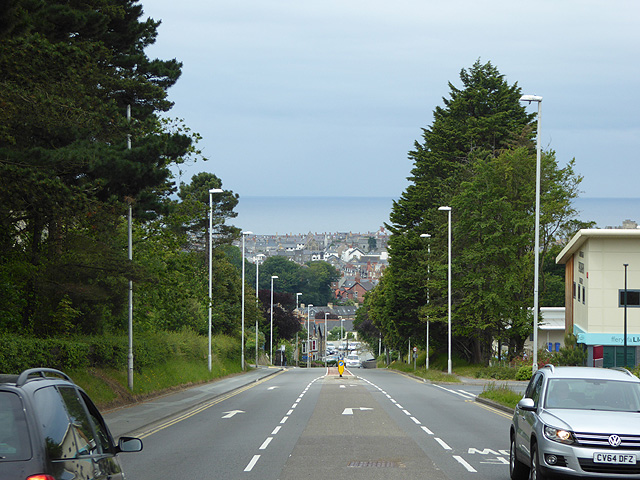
x: 415, y: 349
x: 341, y: 367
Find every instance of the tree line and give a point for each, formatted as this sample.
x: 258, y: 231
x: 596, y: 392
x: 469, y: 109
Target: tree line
x: 86, y: 138
x: 479, y: 158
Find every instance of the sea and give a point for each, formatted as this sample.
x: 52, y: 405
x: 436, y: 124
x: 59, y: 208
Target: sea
x: 302, y: 215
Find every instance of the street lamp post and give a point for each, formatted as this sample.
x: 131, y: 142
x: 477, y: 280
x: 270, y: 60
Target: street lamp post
x: 625, y: 314
x: 326, y: 314
x: 271, y: 334
x: 244, y: 234
x: 448, y: 210
x: 211, y: 192
x: 257, y: 301
x: 426, y: 235
x: 536, y: 269
x: 308, y: 344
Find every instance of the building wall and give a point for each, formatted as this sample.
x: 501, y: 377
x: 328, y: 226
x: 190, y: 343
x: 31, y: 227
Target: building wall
x: 598, y: 266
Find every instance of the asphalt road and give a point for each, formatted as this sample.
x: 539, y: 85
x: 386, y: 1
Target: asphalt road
x: 299, y: 423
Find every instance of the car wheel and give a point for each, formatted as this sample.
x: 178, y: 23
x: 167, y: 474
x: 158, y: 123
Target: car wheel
x: 535, y: 473
x: 517, y: 469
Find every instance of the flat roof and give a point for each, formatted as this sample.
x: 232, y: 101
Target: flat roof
x: 583, y: 235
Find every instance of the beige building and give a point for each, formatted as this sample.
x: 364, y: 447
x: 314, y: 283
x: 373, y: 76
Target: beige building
x: 594, y: 293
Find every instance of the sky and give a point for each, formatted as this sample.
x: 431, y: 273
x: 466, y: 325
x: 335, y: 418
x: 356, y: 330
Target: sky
x: 327, y: 97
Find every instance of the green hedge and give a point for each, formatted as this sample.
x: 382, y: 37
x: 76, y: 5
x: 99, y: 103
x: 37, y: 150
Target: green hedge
x: 19, y: 353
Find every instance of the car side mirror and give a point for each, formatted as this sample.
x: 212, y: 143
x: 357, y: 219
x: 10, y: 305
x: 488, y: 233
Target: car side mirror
x: 129, y: 444
x: 527, y: 404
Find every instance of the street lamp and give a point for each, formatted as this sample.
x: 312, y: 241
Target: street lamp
x: 536, y: 269
x: 448, y: 210
x: 308, y: 344
x: 271, y: 335
x: 211, y: 192
x: 426, y: 235
x: 326, y: 314
x: 257, y: 301
x: 244, y: 234
x: 625, y: 314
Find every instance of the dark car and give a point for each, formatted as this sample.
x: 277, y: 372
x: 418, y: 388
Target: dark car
x: 51, y: 430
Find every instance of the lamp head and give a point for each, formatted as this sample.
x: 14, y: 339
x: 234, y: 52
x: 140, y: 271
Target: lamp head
x: 274, y: 276
x: 247, y: 233
x: 444, y: 209
x: 530, y: 98
x: 216, y: 190
x: 425, y: 235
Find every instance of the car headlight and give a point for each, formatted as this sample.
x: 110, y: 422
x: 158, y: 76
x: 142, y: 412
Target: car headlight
x: 559, y: 435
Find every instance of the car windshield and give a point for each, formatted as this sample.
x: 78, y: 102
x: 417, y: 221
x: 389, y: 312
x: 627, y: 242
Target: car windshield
x: 14, y: 439
x: 593, y: 394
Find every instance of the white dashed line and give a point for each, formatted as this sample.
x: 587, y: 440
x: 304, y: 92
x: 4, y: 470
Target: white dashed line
x: 266, y: 443
x: 464, y: 463
x: 442, y: 443
x: 252, y: 463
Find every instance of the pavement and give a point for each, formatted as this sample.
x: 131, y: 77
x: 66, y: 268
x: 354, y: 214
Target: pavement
x: 134, y: 419
x: 138, y: 419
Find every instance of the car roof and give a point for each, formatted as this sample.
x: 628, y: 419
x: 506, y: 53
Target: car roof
x: 590, y: 372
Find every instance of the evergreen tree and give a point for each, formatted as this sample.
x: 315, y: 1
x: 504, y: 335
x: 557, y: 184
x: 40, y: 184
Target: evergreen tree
x: 68, y: 71
x: 483, y: 117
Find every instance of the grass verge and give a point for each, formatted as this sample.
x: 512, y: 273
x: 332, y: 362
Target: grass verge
x: 501, y: 394
x: 108, y: 388
x: 432, y: 375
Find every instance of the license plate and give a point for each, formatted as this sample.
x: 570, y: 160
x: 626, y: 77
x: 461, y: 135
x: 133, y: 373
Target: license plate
x: 615, y: 458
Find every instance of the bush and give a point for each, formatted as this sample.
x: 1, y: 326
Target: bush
x: 524, y: 372
x: 497, y: 372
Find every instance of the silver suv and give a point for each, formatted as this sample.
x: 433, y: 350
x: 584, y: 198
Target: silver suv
x: 577, y: 422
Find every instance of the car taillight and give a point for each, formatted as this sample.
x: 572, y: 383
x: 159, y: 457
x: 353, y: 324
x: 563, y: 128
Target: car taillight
x: 40, y: 477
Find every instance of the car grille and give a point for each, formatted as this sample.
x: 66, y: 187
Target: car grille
x: 588, y: 465
x: 601, y: 440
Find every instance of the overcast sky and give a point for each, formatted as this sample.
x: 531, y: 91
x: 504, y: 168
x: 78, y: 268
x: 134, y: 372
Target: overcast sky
x: 326, y: 97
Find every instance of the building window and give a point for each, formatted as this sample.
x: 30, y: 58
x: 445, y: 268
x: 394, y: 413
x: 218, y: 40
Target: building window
x: 574, y: 289
x: 584, y: 294
x: 581, y: 267
x: 579, y: 292
x: 633, y: 298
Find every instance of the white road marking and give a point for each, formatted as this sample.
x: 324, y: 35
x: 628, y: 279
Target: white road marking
x: 231, y: 413
x: 442, y: 443
x: 426, y: 430
x: 349, y: 411
x: 284, y: 419
x: 276, y: 430
x: 415, y: 420
x: 272, y: 388
x: 252, y: 463
x: 266, y: 443
x: 290, y: 412
x: 465, y: 464
x: 405, y: 412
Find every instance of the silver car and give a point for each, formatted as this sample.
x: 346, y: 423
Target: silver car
x: 577, y: 422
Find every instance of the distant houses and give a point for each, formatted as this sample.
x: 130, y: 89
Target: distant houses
x: 359, y: 258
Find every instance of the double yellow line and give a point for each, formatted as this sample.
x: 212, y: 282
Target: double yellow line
x: 200, y: 408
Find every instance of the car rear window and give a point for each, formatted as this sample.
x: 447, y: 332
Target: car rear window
x: 14, y: 436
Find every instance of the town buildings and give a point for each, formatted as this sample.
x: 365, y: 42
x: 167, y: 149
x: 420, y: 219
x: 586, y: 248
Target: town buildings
x: 359, y: 258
